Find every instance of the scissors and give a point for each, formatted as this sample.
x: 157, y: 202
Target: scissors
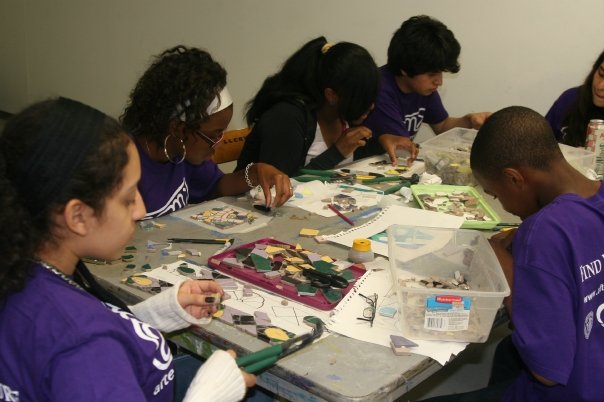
x: 254, y: 362
x: 323, y: 280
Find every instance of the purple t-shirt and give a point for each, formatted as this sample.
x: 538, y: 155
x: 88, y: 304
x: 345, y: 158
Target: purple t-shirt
x: 399, y: 113
x: 558, y: 300
x: 166, y: 187
x: 60, y: 343
x: 556, y: 115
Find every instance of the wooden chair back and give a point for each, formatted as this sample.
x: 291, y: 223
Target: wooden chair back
x: 230, y: 147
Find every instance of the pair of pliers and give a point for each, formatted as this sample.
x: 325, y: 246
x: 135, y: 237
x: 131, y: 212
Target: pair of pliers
x: 381, y: 179
x: 266, y: 357
x: 330, y: 176
x: 406, y: 182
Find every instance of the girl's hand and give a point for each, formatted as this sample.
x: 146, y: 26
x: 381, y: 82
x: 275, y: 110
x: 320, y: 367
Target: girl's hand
x: 194, y: 296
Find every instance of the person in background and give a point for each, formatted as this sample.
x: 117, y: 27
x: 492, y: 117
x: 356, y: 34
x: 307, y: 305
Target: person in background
x: 420, y: 51
x: 309, y: 114
x: 553, y: 269
x: 177, y: 114
x: 571, y: 112
x: 68, y: 190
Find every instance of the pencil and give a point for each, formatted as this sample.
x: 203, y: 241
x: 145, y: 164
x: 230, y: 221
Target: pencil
x: 200, y: 241
x: 341, y: 215
x: 506, y: 225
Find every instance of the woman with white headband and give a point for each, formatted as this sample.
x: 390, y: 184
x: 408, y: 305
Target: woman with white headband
x: 177, y: 114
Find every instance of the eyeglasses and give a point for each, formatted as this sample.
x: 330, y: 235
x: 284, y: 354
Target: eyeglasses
x: 369, y: 311
x: 212, y: 143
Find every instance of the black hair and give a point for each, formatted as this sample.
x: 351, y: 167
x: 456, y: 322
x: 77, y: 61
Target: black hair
x: 181, y: 80
x: 345, y: 67
x: 26, y: 210
x: 582, y: 110
x: 423, y: 45
x: 514, y: 137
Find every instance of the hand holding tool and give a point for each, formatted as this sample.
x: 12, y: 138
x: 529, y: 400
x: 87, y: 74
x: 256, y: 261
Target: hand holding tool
x: 265, y: 358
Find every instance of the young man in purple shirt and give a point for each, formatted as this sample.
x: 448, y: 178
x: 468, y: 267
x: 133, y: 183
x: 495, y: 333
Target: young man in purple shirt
x: 419, y: 52
x: 555, y: 265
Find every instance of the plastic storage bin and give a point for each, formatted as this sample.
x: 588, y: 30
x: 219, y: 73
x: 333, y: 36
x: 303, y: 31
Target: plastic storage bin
x: 489, y: 218
x: 448, y: 156
x: 462, y: 313
x: 580, y: 158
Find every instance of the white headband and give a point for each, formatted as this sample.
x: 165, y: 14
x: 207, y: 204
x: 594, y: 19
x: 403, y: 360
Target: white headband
x: 220, y: 102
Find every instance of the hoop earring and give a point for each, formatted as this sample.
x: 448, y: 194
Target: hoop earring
x: 184, y: 150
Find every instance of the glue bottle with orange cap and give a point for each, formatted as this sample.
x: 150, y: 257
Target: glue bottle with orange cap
x: 360, y: 251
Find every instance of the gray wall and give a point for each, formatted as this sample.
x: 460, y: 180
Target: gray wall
x: 513, y: 52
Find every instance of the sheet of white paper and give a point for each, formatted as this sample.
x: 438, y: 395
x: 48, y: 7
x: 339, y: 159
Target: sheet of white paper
x: 393, y: 215
x: 170, y: 274
x: 288, y: 316
x: 314, y: 196
x: 344, y: 318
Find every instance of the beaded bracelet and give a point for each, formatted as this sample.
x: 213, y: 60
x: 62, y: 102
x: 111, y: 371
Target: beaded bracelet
x: 247, y: 175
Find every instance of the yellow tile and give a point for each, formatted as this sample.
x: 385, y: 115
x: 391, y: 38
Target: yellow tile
x: 309, y: 232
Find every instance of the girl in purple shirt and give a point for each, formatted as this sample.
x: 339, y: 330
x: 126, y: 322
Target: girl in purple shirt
x: 571, y: 112
x: 177, y: 114
x: 68, y: 189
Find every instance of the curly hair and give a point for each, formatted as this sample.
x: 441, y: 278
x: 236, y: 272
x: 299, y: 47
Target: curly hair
x: 423, y: 45
x: 582, y: 110
x: 181, y: 81
x: 26, y: 216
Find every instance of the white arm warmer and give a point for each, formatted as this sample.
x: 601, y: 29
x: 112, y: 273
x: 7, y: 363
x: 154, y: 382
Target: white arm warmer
x: 217, y: 380
x: 164, y: 312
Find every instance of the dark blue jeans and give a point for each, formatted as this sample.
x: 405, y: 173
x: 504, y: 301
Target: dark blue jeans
x: 507, y: 365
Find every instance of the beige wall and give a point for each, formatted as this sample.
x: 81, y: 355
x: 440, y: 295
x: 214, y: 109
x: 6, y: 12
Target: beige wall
x: 513, y: 52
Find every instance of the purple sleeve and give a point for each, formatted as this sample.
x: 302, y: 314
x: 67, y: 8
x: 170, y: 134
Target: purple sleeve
x: 542, y: 301
x: 557, y: 113
x: 203, y: 181
x: 98, y: 370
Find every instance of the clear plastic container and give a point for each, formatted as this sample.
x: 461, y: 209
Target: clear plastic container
x: 580, y: 158
x: 462, y: 313
x: 448, y: 156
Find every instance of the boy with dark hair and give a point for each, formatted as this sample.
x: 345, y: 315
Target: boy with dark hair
x: 419, y: 52
x: 555, y: 270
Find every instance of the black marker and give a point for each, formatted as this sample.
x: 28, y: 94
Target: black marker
x: 200, y: 241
